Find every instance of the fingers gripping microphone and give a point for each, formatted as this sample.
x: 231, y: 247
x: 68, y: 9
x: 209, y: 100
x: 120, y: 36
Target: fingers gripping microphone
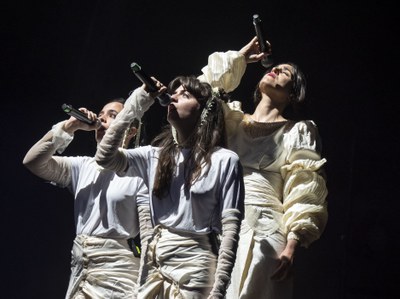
x: 267, y: 60
x: 77, y: 114
x: 164, y: 98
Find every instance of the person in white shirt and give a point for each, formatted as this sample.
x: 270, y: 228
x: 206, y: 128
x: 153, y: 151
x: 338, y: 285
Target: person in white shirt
x: 195, y: 186
x: 285, y: 200
x: 106, y: 208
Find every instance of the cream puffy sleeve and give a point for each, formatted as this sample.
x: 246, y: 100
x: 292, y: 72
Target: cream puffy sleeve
x: 224, y: 70
x: 109, y: 154
x: 233, y: 115
x: 304, y: 190
x: 40, y: 159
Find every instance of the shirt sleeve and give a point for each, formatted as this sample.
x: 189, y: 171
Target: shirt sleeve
x: 40, y: 159
x: 224, y: 70
x: 304, y: 191
x: 233, y: 187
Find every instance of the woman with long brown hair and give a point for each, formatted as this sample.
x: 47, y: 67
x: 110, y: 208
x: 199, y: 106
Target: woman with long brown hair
x: 196, y: 191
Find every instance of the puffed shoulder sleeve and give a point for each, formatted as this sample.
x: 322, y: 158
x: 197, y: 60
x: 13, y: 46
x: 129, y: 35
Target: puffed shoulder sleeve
x: 108, y: 154
x: 224, y: 70
x: 233, y: 115
x: 304, y: 190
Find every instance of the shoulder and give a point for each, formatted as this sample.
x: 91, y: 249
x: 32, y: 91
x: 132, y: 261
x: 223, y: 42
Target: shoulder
x: 225, y: 154
x: 142, y: 154
x: 302, y: 134
x: 226, y: 163
x: 141, y: 150
x: 233, y: 110
x: 302, y: 127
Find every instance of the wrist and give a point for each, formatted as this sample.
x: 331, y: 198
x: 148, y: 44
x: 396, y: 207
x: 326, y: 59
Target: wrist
x: 293, y: 238
x: 68, y: 128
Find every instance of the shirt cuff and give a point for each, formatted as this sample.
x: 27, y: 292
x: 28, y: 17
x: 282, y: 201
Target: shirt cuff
x: 61, y: 139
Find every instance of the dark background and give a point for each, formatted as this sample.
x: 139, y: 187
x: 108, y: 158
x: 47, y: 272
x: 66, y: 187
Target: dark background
x: 79, y: 52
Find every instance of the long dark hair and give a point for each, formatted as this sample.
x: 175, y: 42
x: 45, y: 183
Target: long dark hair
x: 208, y: 134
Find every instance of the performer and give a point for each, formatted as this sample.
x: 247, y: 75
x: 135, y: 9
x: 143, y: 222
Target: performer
x: 195, y: 187
x: 285, y: 189
x: 106, y: 208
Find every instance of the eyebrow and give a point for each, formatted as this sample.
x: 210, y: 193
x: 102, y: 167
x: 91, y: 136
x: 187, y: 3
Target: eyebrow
x: 108, y: 111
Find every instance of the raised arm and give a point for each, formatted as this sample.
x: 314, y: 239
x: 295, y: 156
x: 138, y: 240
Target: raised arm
x: 109, y: 154
x: 226, y: 69
x: 41, y: 159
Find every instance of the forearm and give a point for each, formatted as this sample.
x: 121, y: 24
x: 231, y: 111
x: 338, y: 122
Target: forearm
x: 227, y: 252
x: 146, y: 232
x: 108, y: 154
x: 40, y: 159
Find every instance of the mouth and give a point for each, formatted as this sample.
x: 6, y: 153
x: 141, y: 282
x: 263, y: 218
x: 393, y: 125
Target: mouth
x: 273, y: 75
x: 171, y: 107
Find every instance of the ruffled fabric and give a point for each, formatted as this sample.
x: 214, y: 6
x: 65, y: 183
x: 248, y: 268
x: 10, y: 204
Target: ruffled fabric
x: 231, y: 219
x: 305, y: 208
x: 61, y: 139
x: 283, y: 171
x: 284, y: 185
x: 224, y: 69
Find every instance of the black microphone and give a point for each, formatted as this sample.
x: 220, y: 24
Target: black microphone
x: 164, y: 98
x: 77, y: 114
x: 267, y: 60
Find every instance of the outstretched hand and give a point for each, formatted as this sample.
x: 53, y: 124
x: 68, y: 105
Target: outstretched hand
x: 251, y: 51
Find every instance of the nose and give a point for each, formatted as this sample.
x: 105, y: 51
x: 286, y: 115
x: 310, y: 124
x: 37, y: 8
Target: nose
x: 174, y: 97
x: 102, y: 119
x: 276, y: 70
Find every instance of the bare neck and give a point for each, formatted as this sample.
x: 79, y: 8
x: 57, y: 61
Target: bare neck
x: 267, y: 111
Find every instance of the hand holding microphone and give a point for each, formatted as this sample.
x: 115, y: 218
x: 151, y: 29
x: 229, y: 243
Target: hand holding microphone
x: 164, y: 98
x: 267, y: 60
x: 71, y: 111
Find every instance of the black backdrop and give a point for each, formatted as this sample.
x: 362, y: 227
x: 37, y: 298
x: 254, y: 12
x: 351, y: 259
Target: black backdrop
x: 79, y: 52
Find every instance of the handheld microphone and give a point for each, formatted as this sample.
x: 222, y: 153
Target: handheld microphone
x: 267, y: 60
x: 164, y: 98
x: 77, y: 114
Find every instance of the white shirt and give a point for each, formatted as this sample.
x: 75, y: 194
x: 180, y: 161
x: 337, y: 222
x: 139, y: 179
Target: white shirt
x: 198, y: 210
x: 105, y: 204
